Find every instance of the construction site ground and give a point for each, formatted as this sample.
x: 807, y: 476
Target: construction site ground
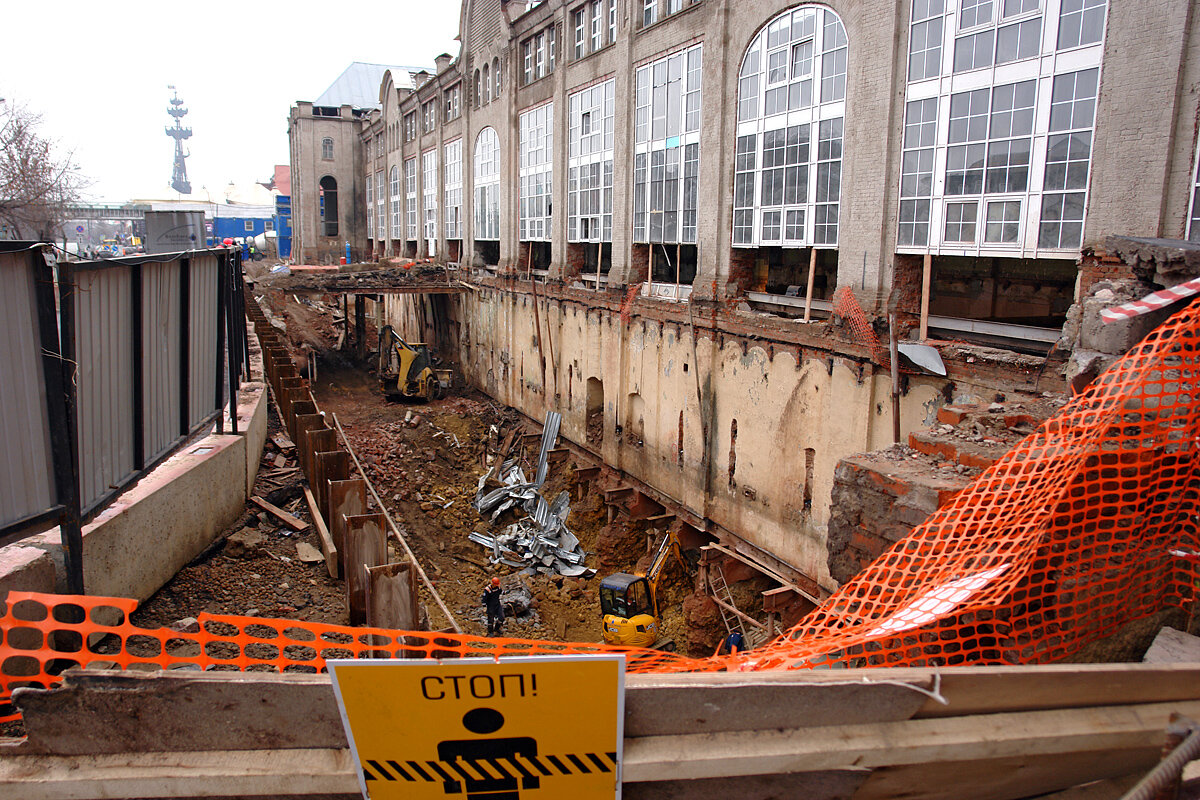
x: 425, y: 461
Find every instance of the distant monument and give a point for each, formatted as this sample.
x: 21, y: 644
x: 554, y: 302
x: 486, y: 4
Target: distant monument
x: 179, y: 181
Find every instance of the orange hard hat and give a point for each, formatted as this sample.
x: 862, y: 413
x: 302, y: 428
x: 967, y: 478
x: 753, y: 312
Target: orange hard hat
x: 495, y: 581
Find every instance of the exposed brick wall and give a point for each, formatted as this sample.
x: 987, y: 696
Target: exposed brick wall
x: 1096, y: 266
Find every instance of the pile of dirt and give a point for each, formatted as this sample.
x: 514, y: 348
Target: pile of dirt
x: 409, y: 274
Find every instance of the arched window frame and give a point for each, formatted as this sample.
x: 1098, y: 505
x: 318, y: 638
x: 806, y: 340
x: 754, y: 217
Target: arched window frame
x: 327, y: 149
x: 487, y: 185
x: 477, y: 95
x: 329, y: 203
x: 495, y: 77
x: 487, y: 83
x: 791, y: 117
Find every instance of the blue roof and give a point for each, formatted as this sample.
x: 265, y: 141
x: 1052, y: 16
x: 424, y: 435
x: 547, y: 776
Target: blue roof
x: 359, y: 85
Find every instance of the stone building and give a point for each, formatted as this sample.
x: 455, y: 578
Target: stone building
x: 685, y: 180
x: 327, y: 163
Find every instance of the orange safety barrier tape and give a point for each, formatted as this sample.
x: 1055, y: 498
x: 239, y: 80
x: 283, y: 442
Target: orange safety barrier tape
x: 1059, y: 544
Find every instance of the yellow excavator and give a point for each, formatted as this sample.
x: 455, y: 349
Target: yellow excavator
x: 406, y: 370
x: 629, y: 603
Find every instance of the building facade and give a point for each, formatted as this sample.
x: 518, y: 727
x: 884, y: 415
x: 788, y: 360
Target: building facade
x: 690, y: 182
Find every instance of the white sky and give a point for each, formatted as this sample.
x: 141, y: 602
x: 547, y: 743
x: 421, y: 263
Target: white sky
x: 98, y: 74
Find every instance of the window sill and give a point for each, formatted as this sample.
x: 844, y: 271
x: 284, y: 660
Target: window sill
x: 586, y: 56
x: 536, y: 81
x: 669, y: 17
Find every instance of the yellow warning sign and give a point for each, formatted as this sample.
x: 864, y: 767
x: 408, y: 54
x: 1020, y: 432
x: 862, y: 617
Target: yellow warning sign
x: 519, y: 728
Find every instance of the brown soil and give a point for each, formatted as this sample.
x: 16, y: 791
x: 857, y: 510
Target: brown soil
x: 356, y: 280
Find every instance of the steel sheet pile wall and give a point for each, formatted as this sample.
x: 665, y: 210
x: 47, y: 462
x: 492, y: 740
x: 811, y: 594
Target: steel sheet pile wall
x: 103, y: 351
x: 160, y: 349
x: 27, y: 474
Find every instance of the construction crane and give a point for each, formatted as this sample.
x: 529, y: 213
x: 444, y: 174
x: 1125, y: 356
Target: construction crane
x: 406, y: 369
x: 630, y: 606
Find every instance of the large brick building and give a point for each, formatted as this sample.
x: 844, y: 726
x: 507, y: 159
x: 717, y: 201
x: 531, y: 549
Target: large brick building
x: 725, y: 156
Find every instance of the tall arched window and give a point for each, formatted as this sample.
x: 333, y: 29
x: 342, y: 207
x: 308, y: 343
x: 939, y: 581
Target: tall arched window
x: 478, y: 93
x: 487, y: 185
x: 329, y: 206
x: 397, y: 212
x: 495, y: 77
x: 327, y: 148
x: 487, y: 83
x: 791, y: 107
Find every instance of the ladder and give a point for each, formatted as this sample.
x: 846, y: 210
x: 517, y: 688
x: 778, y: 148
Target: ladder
x: 720, y: 590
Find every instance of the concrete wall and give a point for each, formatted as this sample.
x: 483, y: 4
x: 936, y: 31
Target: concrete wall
x: 154, y: 529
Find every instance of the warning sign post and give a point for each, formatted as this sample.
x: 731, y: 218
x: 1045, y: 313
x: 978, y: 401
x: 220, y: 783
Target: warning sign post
x: 520, y: 728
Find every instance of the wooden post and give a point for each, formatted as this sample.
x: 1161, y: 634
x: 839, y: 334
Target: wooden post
x: 926, y: 278
x: 360, y: 327
x: 599, y: 258
x: 366, y: 546
x: 812, y: 272
x: 895, y: 358
x: 346, y: 499
x: 392, y: 597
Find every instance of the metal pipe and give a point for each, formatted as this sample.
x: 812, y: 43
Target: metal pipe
x: 1171, y: 767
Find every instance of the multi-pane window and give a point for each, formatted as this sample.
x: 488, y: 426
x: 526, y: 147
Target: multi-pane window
x: 925, y: 40
x: 537, y: 55
x: 429, y: 188
x: 452, y: 160
x: 487, y: 83
x: 327, y: 148
x: 536, y: 145
x: 380, y: 204
x: 496, y: 78
x: 370, y: 215
x: 397, y: 213
x: 410, y: 199
x: 595, y: 26
x: 487, y: 185
x: 993, y: 164
x: 410, y: 126
x: 453, y: 101
x: 1080, y: 22
x: 379, y: 145
x: 788, y: 156
x: 590, y: 164
x: 429, y: 116
x: 654, y: 10
x: 666, y: 157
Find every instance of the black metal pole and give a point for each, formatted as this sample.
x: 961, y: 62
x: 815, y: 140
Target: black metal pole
x: 137, y: 339
x: 222, y: 290
x: 65, y: 434
x: 185, y: 314
x: 234, y: 363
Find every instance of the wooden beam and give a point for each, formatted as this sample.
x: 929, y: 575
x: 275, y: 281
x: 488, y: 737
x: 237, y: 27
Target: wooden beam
x: 812, y: 272
x: 328, y: 548
x: 926, y: 278
x: 293, y: 522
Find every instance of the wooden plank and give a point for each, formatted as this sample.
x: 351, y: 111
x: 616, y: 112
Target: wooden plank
x: 800, y: 786
x: 346, y: 499
x: 293, y: 522
x: 1007, y: 778
x: 1097, y: 731
x: 392, y: 597
x: 328, y: 548
x: 366, y: 546
x: 283, y: 442
x: 279, y: 461
x: 1173, y: 647
x: 234, y: 773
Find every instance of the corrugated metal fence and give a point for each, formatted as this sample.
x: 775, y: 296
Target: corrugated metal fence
x: 110, y: 366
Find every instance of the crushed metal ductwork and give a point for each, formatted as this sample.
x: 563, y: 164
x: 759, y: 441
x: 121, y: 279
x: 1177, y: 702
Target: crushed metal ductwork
x: 541, y: 541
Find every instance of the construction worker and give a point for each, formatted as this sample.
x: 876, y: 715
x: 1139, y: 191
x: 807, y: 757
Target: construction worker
x: 495, y: 611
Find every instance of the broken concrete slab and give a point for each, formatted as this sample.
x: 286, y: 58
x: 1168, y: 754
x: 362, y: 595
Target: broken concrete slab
x: 245, y: 543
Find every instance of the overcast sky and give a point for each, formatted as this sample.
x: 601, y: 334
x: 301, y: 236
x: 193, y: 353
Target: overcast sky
x: 98, y: 75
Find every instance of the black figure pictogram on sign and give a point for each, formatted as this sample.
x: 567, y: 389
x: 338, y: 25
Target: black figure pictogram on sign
x: 483, y: 721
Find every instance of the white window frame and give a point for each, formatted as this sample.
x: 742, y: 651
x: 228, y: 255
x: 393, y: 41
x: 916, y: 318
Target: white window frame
x: 370, y: 212
x: 380, y: 204
x: 791, y: 109
x: 1192, y: 234
x: 397, y: 204
x: 453, y: 98
x: 1038, y: 199
x: 452, y: 173
x: 486, y: 181
x: 535, y: 146
x: 590, y: 163
x: 327, y: 149
x: 429, y: 201
x: 410, y: 199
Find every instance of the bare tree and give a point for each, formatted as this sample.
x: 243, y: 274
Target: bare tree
x: 36, y: 183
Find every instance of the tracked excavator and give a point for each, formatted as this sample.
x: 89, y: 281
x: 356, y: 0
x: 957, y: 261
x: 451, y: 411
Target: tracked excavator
x: 406, y: 369
x: 630, y: 606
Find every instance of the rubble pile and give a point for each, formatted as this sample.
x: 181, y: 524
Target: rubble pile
x: 541, y: 541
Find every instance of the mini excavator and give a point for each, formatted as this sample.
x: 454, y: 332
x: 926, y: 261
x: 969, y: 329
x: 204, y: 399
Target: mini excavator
x: 406, y: 369
x: 629, y: 603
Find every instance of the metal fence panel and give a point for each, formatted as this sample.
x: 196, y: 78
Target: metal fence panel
x: 27, y: 474
x: 104, y: 355
x: 160, y: 350
x: 202, y: 383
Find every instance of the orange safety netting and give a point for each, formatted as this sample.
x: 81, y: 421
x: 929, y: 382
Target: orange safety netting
x: 1062, y: 542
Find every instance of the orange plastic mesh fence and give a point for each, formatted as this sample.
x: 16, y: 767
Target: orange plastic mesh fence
x: 1059, y: 544
x: 846, y: 306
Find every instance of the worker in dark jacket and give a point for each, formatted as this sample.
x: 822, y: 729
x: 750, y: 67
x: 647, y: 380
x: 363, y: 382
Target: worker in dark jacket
x: 495, y: 611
